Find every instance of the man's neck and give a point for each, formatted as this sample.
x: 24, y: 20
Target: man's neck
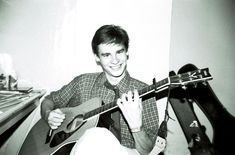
x: 114, y: 80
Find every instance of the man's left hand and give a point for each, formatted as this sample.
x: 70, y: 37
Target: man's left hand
x: 131, y: 106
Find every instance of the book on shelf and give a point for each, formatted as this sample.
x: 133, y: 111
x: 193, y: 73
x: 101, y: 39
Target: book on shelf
x: 7, y: 99
x: 24, y: 89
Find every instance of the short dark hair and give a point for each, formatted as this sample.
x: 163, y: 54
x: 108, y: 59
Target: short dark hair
x: 108, y: 34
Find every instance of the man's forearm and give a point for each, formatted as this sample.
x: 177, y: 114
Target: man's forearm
x: 142, y: 142
x: 46, y: 106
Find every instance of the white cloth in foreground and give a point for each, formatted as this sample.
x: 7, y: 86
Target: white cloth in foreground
x: 100, y: 141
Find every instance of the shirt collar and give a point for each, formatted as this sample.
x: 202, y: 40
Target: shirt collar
x: 121, y: 85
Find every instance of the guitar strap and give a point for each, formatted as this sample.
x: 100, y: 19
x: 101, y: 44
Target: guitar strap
x: 160, y: 143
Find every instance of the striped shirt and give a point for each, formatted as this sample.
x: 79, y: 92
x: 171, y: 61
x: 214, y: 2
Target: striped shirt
x: 87, y: 86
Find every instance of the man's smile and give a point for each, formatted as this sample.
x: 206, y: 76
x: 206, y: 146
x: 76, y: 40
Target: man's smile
x: 116, y: 67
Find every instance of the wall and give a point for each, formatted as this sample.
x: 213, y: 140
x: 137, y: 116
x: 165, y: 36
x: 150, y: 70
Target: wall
x: 49, y: 40
x: 203, y: 33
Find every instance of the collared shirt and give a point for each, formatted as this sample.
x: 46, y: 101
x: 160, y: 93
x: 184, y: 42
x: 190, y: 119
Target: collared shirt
x: 87, y: 86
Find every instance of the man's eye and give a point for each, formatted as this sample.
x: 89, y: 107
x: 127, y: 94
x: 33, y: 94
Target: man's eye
x: 120, y: 52
x: 105, y: 55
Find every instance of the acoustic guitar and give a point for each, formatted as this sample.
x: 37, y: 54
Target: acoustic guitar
x: 86, y: 115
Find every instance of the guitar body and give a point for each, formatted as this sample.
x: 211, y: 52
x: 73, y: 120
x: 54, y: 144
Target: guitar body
x: 35, y: 141
x: 222, y: 121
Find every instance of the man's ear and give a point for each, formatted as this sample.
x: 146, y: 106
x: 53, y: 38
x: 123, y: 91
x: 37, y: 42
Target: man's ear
x: 127, y: 54
x: 97, y: 59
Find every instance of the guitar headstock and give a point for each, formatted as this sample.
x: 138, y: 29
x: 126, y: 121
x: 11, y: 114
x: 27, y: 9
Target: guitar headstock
x: 193, y: 77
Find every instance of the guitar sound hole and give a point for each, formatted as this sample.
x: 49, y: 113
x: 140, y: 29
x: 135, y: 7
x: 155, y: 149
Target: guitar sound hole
x: 75, y: 123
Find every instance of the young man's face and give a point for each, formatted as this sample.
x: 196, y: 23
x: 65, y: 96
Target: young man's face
x: 113, y: 59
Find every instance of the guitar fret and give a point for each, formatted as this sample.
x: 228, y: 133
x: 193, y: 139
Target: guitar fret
x: 185, y: 77
x: 143, y: 91
x: 163, y: 83
x: 99, y: 110
x: 146, y: 90
x: 174, y: 78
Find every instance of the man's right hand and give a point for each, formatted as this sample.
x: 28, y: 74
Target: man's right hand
x: 55, y: 118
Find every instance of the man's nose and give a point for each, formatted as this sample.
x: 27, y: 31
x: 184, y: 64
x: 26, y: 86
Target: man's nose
x: 115, y: 59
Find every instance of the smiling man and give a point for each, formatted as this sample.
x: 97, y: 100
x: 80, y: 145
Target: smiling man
x: 131, y: 128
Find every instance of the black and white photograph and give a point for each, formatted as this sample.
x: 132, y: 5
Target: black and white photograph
x: 120, y: 77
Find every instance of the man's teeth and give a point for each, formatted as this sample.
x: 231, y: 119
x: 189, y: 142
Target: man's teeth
x: 115, y: 67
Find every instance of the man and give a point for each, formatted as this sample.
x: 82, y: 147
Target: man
x: 135, y: 122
